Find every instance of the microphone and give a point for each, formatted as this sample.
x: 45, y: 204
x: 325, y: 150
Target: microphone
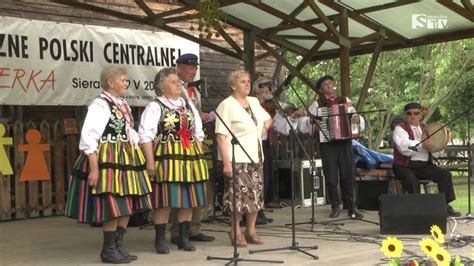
x: 197, y: 84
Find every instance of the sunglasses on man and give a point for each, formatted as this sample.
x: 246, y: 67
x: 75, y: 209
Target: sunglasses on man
x: 265, y: 84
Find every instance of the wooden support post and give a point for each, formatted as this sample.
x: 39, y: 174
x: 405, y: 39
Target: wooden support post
x: 344, y: 55
x: 370, y: 74
x: 249, y: 52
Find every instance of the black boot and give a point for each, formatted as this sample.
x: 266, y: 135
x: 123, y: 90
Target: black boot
x: 160, y: 245
x: 110, y: 253
x: 119, y: 242
x: 184, y: 242
x: 335, y: 210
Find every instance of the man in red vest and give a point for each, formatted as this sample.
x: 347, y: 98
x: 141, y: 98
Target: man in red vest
x: 412, y: 163
x: 337, y: 155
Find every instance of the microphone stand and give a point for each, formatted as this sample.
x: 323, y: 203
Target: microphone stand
x: 352, y: 188
x: 235, y: 258
x: 469, y: 164
x: 294, y: 244
x: 214, y: 217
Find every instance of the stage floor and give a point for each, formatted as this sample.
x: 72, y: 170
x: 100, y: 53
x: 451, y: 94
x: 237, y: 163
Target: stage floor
x: 61, y: 241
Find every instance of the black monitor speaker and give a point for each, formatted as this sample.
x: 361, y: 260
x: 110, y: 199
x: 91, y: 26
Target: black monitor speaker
x: 412, y: 213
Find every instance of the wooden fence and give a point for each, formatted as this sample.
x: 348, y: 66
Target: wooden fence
x: 19, y: 200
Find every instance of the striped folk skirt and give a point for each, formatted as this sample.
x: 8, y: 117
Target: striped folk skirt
x: 179, y: 195
x: 181, y: 175
x: 123, y: 186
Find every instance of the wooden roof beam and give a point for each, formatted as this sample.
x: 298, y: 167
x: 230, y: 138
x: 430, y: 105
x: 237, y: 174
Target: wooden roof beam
x: 367, y: 38
x: 276, y: 73
x: 392, y: 45
x: 284, y: 43
x: 102, y: 10
x: 366, y: 22
x: 172, y: 12
x: 466, y: 13
x: 175, y: 19
x: 262, y: 56
x: 370, y: 74
x: 344, y: 56
x: 385, y: 6
x: 282, y: 27
x: 202, y: 42
x: 300, y: 24
x: 145, y: 8
x: 298, y: 37
x: 227, y: 38
x: 307, y: 57
x: 468, y: 5
x: 323, y: 17
x: 156, y: 23
x: 292, y: 69
x: 293, y: 13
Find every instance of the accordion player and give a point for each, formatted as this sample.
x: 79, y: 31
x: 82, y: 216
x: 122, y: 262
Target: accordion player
x: 336, y: 123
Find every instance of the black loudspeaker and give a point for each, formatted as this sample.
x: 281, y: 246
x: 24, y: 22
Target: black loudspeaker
x: 368, y: 193
x: 412, y: 213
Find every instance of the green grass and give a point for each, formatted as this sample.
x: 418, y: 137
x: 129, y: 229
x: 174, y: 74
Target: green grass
x: 462, y: 199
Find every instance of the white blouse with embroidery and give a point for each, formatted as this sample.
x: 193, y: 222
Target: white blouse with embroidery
x: 151, y: 116
x: 98, y: 115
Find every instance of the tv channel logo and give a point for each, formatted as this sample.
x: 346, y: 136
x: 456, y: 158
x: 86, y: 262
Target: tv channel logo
x: 432, y: 22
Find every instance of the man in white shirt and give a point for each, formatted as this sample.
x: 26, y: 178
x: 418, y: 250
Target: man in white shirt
x: 412, y: 162
x: 337, y: 155
x: 187, y: 65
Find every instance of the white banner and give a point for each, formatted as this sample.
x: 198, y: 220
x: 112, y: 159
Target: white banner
x: 49, y: 63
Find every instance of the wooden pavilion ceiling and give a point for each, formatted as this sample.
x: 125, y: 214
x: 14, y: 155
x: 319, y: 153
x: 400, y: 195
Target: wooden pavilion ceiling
x: 313, y: 28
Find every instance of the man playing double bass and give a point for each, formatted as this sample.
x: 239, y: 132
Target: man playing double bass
x: 412, y: 162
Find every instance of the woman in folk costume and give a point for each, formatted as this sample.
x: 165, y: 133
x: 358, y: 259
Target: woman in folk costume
x: 109, y: 181
x: 171, y: 135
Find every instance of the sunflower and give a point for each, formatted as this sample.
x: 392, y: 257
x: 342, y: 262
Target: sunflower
x: 392, y: 247
x: 428, y: 245
x: 441, y: 256
x: 437, y: 234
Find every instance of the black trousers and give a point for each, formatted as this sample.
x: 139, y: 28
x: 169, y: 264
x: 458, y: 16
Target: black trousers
x: 268, y: 193
x: 337, y: 159
x: 418, y: 170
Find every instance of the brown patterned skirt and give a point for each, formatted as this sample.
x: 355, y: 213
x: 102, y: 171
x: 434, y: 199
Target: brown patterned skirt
x: 249, y: 194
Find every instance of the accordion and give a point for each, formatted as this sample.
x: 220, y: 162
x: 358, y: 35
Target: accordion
x: 336, y: 123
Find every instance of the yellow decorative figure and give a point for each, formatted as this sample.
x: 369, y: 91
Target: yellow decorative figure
x: 5, y: 166
x: 438, y: 236
x: 35, y: 167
